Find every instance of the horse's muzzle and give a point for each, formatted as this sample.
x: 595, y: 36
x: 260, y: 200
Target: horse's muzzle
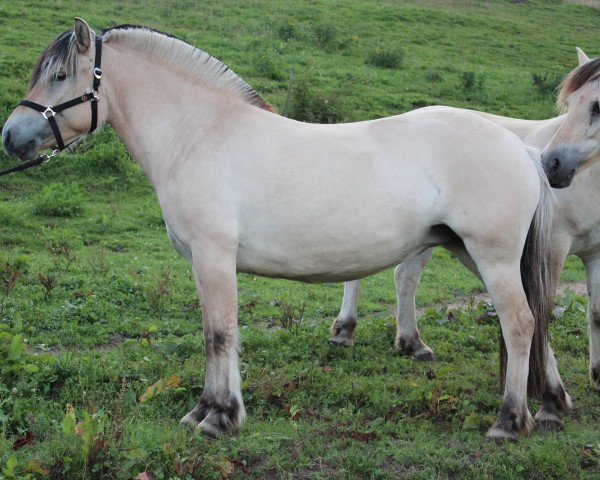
x: 560, y: 165
x: 24, y: 150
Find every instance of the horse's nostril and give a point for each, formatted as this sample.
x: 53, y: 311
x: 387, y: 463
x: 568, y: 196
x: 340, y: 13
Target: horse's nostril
x: 555, y: 164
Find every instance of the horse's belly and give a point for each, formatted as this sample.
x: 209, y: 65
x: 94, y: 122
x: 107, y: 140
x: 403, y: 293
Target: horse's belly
x: 337, y: 254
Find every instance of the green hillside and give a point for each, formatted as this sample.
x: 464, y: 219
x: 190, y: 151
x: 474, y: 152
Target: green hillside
x: 96, y: 307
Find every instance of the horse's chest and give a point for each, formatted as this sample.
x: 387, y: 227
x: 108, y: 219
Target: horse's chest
x: 181, y: 248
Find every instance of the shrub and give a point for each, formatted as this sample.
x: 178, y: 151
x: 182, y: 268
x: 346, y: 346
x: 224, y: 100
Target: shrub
x: 546, y: 83
x: 470, y: 81
x: 329, y: 39
x: 325, y: 35
x: 286, y: 31
x: 434, y: 76
x: 308, y: 106
x: 385, y: 58
x: 267, y: 68
x: 60, y: 200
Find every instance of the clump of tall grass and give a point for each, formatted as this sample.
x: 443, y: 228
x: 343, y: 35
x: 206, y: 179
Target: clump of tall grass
x: 386, y: 58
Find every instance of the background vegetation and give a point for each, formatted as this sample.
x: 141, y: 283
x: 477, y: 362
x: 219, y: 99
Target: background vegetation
x: 100, y: 337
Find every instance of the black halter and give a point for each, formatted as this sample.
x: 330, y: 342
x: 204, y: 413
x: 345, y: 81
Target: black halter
x: 49, y: 112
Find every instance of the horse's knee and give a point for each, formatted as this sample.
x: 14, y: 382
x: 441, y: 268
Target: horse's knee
x: 219, y: 342
x: 518, y: 333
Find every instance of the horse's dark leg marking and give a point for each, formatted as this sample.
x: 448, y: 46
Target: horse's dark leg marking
x: 595, y: 347
x: 222, y: 415
x: 595, y: 374
x: 554, y: 402
x: 218, y: 342
x: 513, y: 419
x: 342, y: 331
x: 413, y: 346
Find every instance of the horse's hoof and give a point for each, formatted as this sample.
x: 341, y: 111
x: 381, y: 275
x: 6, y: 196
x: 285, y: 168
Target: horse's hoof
x: 424, y: 356
x: 208, y: 430
x: 501, y: 436
x: 189, y: 419
x: 339, y: 341
x: 550, y: 425
x: 550, y: 422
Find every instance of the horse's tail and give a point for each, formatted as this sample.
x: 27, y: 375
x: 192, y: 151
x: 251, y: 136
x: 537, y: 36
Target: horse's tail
x: 535, y: 275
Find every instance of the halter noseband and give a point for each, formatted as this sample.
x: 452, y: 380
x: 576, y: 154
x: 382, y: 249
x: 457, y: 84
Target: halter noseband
x: 49, y: 112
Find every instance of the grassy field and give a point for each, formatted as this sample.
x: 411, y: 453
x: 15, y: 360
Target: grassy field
x: 100, y: 335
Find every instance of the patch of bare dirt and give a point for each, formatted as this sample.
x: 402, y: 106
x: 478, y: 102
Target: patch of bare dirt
x: 472, y: 300
x: 589, y: 3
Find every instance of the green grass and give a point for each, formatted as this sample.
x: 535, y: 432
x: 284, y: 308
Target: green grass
x: 120, y: 308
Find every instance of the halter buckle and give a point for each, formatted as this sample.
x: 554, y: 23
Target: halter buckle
x: 48, y: 112
x: 48, y: 156
x: 95, y: 96
x: 98, y: 73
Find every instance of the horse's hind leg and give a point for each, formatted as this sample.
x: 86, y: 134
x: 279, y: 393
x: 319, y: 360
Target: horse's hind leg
x: 502, y: 277
x: 593, y: 314
x: 555, y: 399
x: 342, y: 328
x: 407, y: 276
x: 221, y: 408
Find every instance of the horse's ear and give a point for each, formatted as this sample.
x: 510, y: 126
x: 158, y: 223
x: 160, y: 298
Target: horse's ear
x: 583, y: 58
x: 82, y: 35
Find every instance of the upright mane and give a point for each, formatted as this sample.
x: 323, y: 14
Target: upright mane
x: 182, y: 54
x: 61, y: 54
x: 578, y: 78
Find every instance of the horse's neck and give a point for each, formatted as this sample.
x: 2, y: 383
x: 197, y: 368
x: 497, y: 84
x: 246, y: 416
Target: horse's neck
x: 536, y: 133
x: 159, y: 113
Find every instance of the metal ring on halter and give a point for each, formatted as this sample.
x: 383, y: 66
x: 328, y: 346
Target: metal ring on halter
x: 48, y: 112
x: 54, y: 153
x: 96, y: 96
x: 98, y: 73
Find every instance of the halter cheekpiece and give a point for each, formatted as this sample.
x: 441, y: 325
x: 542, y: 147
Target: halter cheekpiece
x: 49, y: 112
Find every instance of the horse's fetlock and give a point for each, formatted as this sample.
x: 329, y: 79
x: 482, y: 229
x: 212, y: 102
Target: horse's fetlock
x: 595, y: 376
x: 405, y: 344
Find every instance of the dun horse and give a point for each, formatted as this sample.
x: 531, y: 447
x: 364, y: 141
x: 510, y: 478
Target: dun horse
x: 244, y: 190
x: 576, y: 226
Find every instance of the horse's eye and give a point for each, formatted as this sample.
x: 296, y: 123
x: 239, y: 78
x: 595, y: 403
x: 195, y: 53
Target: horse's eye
x: 59, y: 77
x: 595, y: 110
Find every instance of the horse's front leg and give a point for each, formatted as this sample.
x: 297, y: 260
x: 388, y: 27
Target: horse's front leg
x: 221, y: 408
x: 593, y: 314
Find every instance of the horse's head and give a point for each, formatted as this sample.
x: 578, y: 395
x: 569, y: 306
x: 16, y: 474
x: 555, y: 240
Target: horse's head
x: 57, y: 110
x: 576, y: 144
